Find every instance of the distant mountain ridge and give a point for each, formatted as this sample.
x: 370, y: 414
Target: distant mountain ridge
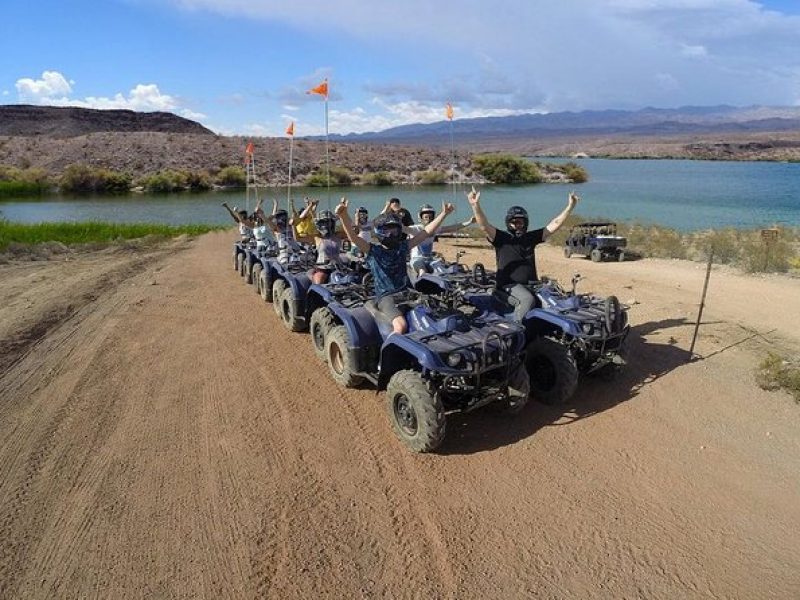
x: 647, y: 121
x: 71, y: 121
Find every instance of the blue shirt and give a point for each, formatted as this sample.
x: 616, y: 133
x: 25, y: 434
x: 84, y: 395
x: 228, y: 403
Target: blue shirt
x: 388, y: 268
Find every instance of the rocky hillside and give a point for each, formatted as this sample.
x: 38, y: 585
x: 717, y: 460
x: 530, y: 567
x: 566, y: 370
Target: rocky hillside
x: 146, y: 153
x: 68, y: 121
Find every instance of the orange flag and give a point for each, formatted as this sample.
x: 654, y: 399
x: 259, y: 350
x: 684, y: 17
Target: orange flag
x: 448, y: 111
x: 290, y: 129
x: 249, y: 149
x: 321, y: 89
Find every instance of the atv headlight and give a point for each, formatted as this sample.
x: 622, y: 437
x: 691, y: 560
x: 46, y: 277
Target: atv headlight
x: 454, y: 359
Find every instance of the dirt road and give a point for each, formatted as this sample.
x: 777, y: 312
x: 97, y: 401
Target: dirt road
x: 161, y: 435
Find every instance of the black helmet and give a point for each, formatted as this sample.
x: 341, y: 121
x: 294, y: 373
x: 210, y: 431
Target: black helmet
x: 326, y: 223
x: 516, y: 212
x: 389, y: 230
x: 281, y: 218
x: 426, y: 208
x: 362, y: 209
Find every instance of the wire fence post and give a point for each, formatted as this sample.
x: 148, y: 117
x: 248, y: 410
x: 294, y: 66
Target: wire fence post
x: 702, y: 302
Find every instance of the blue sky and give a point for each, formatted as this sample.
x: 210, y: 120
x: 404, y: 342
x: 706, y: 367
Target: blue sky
x: 242, y: 66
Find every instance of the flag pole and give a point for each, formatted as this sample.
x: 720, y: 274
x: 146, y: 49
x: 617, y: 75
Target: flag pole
x: 327, y: 155
x: 452, y: 160
x: 289, y: 186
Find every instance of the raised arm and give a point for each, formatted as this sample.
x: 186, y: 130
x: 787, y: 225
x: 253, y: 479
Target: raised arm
x: 231, y: 213
x: 456, y: 226
x: 431, y: 227
x: 309, y: 209
x: 558, y: 221
x: 274, y: 205
x: 347, y: 225
x: 474, y: 198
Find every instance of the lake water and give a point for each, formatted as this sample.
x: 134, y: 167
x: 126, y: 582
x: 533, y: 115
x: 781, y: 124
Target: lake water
x: 683, y: 194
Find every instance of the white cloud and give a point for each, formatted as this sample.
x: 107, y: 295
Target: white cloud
x: 190, y: 114
x: 53, y: 89
x: 52, y: 84
x: 6, y: 93
x: 688, y: 50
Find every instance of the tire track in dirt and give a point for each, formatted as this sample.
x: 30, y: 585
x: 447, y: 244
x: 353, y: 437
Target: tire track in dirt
x: 58, y: 415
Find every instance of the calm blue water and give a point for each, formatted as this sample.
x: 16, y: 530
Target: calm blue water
x: 683, y: 194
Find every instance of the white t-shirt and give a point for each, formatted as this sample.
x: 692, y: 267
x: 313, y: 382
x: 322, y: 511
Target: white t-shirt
x: 425, y: 249
x: 261, y: 235
x: 328, y: 251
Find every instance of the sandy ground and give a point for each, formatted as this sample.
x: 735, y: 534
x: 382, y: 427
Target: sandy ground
x: 162, y: 435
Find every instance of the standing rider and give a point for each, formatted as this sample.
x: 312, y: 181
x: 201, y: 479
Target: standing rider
x: 514, y: 248
x: 387, y: 259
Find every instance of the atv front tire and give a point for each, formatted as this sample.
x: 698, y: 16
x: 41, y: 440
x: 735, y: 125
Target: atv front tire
x: 553, y: 371
x: 567, y: 251
x: 416, y: 415
x: 337, y: 355
x: 241, y: 265
x: 596, y: 255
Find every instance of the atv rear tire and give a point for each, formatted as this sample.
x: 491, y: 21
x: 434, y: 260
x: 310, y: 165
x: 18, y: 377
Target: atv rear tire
x: 567, y: 251
x: 621, y: 257
x: 416, y: 415
x: 320, y: 324
x: 290, y: 311
x: 596, y: 255
x: 553, y: 371
x: 337, y: 355
x: 277, y: 289
x: 256, y: 277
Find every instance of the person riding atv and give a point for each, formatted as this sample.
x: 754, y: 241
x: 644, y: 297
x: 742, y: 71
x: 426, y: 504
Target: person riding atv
x: 387, y: 259
x: 514, y: 248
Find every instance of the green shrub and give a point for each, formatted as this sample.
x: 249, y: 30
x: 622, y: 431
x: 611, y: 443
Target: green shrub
x: 198, y: 181
x: 431, y: 177
x: 339, y: 177
x: 775, y: 373
x: 232, y: 177
x: 79, y: 179
x: 377, y: 178
x: 505, y: 168
x: 165, y: 181
x: 90, y: 232
x: 575, y: 172
x: 756, y: 256
x: 23, y: 182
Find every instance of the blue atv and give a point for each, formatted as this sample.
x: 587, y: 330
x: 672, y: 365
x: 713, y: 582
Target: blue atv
x: 347, y: 288
x: 286, y: 284
x: 567, y: 334
x: 240, y: 249
x: 447, y: 362
x: 253, y: 257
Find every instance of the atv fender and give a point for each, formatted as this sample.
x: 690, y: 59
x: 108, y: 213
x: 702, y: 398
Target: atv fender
x: 360, y: 324
x: 538, y: 321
